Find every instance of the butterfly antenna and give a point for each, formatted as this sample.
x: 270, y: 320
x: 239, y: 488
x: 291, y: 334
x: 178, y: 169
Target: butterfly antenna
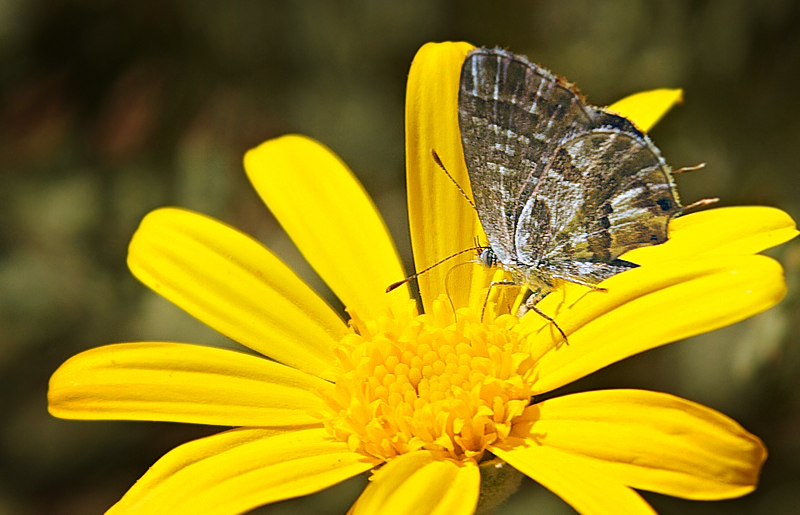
x: 441, y: 165
x: 685, y: 169
x: 412, y: 276
x: 701, y: 203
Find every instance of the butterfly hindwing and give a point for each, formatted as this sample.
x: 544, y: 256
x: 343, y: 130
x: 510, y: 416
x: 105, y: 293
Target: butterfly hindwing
x: 622, y: 200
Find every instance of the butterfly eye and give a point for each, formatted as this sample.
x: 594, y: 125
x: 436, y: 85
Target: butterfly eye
x: 487, y: 257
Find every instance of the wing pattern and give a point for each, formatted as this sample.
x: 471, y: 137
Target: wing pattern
x: 562, y: 188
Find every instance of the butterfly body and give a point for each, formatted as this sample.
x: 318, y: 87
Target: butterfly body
x: 562, y: 188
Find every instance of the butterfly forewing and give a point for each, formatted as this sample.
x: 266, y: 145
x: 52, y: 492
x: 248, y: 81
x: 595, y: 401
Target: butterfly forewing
x: 508, y: 124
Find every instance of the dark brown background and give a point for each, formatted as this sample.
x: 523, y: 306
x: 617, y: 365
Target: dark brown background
x: 111, y: 109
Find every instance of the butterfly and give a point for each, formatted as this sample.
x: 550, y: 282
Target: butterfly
x: 561, y: 188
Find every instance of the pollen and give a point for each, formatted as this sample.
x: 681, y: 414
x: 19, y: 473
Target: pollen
x: 450, y: 384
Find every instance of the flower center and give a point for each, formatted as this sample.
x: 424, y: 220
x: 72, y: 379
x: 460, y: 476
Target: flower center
x: 437, y: 382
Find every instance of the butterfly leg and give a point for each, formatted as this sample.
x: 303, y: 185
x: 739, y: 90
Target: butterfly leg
x: 578, y: 281
x: 551, y: 320
x: 489, y: 293
x: 530, y: 304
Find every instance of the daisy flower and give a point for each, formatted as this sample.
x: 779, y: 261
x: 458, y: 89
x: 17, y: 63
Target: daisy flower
x: 434, y: 404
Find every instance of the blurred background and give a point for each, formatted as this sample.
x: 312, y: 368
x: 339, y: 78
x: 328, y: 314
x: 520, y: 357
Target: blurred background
x: 111, y: 109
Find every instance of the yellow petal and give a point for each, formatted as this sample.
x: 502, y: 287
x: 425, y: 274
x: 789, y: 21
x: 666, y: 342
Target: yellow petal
x: 653, y: 441
x: 651, y: 306
x: 645, y: 109
x: 418, y: 483
x: 575, y: 481
x: 331, y: 219
x: 235, y: 285
x: 721, y: 231
x: 180, y: 382
x: 441, y: 220
x: 238, y: 470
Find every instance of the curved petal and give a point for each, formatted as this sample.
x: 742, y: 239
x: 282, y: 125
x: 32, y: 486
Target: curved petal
x: 238, y: 470
x: 235, y: 285
x: 575, y: 480
x: 421, y: 484
x: 179, y: 382
x: 721, y: 231
x: 645, y: 109
x: 653, y: 441
x: 647, y: 307
x: 328, y: 215
x: 441, y: 220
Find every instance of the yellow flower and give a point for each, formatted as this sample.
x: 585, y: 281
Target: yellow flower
x: 420, y: 399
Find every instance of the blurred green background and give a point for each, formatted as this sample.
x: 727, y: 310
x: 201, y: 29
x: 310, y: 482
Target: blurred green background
x: 111, y: 109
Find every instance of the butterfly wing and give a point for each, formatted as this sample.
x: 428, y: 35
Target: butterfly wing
x: 612, y: 193
x: 512, y: 116
x: 560, y: 186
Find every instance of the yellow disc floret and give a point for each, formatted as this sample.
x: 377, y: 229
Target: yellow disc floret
x: 444, y: 383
